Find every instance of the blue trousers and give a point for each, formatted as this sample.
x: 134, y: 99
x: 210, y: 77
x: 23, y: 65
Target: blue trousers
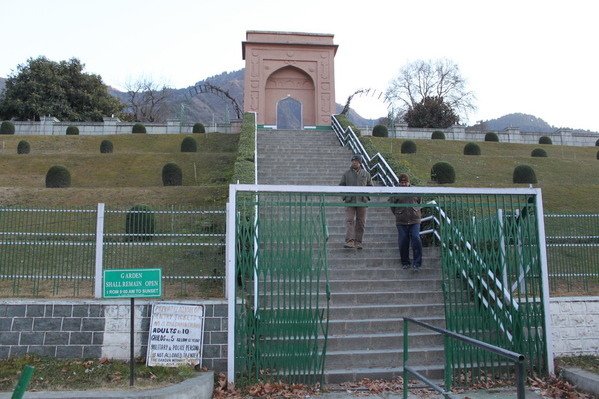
x: 406, y: 234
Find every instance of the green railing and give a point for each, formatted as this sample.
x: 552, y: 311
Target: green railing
x: 61, y: 252
x: 281, y: 311
x: 573, y: 253
x: 492, y: 282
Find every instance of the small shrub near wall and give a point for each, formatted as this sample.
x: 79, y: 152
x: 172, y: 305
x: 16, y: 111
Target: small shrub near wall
x: 443, y: 173
x: 471, y: 149
x: 58, y: 177
x: 597, y: 154
x: 380, y: 131
x: 72, y: 131
x: 597, y: 143
x: 408, y: 147
x: 140, y: 223
x: 538, y: 152
x: 491, y: 136
x: 545, y: 140
x: 23, y: 147
x: 106, y: 147
x: 198, y: 128
x: 138, y: 128
x: 438, y: 135
x: 189, y: 144
x: 524, y: 174
x: 172, y: 175
x: 7, y: 127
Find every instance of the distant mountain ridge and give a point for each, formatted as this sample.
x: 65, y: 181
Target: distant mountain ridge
x: 194, y: 106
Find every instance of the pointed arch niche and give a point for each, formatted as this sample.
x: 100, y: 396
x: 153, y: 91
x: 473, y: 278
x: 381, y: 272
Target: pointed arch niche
x: 284, y: 86
x: 299, y: 66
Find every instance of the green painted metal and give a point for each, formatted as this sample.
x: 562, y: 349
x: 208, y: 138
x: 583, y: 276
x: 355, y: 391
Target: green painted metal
x: 23, y: 382
x: 492, y: 282
x: 573, y: 253
x: 281, y: 318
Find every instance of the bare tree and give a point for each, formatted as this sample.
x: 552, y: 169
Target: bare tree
x: 148, y: 100
x: 423, y: 79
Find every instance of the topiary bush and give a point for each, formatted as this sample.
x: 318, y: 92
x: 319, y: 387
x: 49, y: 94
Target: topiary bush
x: 380, y: 131
x: 524, y: 174
x: 597, y: 154
x: 172, y: 175
x: 138, y: 128
x: 23, y: 147
x: 443, y: 173
x: 106, y: 147
x: 140, y: 223
x: 198, y: 128
x: 72, y: 131
x: 7, y: 127
x: 597, y: 143
x: 58, y: 177
x: 491, y: 136
x: 538, y: 152
x: 408, y: 147
x: 545, y: 140
x: 438, y: 135
x: 189, y: 144
x: 471, y: 149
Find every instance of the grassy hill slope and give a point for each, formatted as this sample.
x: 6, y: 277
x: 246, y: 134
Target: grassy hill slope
x: 131, y: 174
x: 568, y: 177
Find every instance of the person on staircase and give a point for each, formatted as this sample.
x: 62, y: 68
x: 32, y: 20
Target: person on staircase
x: 355, y: 212
x: 407, y: 220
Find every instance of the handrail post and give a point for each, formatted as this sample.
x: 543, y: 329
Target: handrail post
x: 520, y: 379
x: 23, y: 382
x: 405, y: 359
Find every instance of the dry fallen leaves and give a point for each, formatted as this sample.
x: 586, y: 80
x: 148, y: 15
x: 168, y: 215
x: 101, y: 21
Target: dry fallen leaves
x: 556, y: 388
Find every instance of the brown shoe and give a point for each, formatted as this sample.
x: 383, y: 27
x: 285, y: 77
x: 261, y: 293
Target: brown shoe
x: 349, y: 244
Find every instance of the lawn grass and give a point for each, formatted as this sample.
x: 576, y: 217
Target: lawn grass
x: 568, y: 176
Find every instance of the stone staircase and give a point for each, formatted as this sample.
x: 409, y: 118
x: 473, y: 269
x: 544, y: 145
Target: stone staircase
x: 370, y: 293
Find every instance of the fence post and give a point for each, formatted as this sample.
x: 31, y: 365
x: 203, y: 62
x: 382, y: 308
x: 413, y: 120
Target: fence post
x: 99, y: 251
x: 23, y: 382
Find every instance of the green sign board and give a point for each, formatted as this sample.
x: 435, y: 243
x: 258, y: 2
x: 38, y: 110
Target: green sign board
x: 132, y: 283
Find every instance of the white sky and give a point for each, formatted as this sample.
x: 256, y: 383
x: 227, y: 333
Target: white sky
x: 537, y: 57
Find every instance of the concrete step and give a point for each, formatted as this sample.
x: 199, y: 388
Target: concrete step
x: 357, y: 373
x: 378, y: 326
x: 382, y: 311
x: 382, y: 357
x: 376, y: 297
x: 390, y: 340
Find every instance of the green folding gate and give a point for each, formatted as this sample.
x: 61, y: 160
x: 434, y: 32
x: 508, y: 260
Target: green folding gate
x: 281, y: 315
x: 492, y: 283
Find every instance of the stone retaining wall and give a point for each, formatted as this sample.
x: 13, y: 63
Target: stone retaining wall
x: 97, y: 328
x: 575, y: 325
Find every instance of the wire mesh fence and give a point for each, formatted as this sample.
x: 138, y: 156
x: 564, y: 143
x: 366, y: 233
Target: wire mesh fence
x: 573, y: 253
x: 56, y: 252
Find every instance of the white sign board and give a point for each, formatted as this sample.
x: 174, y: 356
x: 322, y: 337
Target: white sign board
x: 176, y: 335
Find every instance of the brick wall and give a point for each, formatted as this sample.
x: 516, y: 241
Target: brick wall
x: 96, y: 328
x: 575, y: 325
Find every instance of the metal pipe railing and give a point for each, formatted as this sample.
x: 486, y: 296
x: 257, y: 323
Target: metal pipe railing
x: 518, y: 359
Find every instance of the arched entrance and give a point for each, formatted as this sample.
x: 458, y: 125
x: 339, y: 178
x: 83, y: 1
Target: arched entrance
x: 289, y: 114
x: 291, y: 84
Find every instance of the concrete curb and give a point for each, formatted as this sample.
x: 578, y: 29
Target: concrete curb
x: 584, y: 380
x: 199, y: 387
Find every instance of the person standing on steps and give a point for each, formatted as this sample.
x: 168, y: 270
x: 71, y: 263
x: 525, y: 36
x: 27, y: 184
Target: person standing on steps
x: 407, y: 220
x: 355, y: 212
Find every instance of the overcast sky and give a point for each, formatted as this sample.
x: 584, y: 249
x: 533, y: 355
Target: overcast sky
x: 531, y: 56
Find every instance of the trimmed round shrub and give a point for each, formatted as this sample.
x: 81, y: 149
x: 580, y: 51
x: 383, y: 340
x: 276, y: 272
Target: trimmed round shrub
x: 491, y: 136
x: 58, y: 177
x: 7, y: 127
x: 408, y: 147
x: 172, y: 175
x: 140, y: 223
x: 545, y: 140
x: 524, y: 174
x: 380, y: 131
x: 198, y: 128
x: 597, y: 143
x: 138, y: 128
x: 72, y: 131
x: 597, y: 154
x: 438, y: 135
x: 443, y: 173
x: 23, y: 147
x: 538, y: 152
x: 471, y: 149
x: 189, y: 144
x: 106, y: 147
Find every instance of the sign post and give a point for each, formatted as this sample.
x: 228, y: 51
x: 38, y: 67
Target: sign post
x: 132, y: 283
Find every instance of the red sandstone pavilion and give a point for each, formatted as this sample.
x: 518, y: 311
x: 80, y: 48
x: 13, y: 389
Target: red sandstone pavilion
x: 289, y: 78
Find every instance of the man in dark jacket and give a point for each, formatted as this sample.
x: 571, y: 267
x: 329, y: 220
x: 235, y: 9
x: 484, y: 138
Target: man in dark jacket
x: 355, y: 216
x: 407, y: 220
